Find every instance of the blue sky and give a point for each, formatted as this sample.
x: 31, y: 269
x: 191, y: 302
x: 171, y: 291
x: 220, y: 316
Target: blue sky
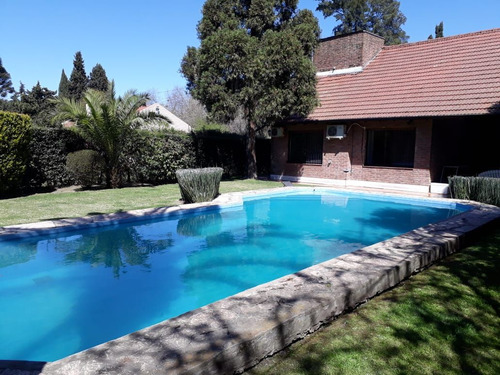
x: 141, y: 44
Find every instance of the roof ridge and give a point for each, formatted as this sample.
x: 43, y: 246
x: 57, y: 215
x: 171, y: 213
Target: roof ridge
x: 442, y: 39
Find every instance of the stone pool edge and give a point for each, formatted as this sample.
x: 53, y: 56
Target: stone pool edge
x: 236, y: 333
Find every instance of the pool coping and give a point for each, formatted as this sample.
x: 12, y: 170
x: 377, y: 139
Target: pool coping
x: 236, y: 333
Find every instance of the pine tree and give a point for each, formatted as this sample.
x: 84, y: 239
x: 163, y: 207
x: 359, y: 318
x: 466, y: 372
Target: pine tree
x: 439, y: 30
x: 39, y: 104
x: 6, y: 87
x: 381, y: 17
x: 255, y: 56
x: 78, y: 79
x: 98, y: 79
x: 63, y: 91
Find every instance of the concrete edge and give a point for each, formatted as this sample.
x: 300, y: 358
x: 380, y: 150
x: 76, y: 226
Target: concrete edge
x: 236, y: 333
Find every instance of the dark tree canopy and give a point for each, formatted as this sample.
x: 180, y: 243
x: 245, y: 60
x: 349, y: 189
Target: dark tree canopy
x: 63, y: 91
x: 254, y: 55
x: 39, y: 104
x: 78, y: 79
x: 381, y: 17
x: 439, y: 30
x: 6, y: 87
x: 98, y: 79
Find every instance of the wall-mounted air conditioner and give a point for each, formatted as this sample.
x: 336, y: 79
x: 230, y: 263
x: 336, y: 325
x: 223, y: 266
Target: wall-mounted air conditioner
x: 335, y: 131
x: 277, y: 132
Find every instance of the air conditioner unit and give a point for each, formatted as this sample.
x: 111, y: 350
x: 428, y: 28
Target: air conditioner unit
x: 277, y: 132
x: 335, y: 131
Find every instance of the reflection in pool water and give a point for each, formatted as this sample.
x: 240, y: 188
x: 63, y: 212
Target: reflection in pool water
x: 64, y: 293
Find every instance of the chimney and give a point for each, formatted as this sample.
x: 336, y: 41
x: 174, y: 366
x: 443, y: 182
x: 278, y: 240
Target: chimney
x: 347, y: 51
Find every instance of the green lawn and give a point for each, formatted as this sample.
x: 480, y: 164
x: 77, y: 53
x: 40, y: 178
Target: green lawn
x: 50, y: 206
x: 444, y: 320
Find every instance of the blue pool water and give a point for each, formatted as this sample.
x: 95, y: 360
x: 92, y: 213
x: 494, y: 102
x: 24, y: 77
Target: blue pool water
x: 64, y: 293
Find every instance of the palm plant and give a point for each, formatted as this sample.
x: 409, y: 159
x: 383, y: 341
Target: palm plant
x: 107, y: 122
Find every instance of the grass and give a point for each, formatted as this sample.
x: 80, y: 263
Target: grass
x: 50, y: 206
x: 444, y: 320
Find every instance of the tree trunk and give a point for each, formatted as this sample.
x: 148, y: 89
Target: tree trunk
x: 251, y: 156
x: 116, y: 180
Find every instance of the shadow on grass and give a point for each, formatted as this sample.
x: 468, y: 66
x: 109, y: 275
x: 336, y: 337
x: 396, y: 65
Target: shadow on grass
x: 444, y: 320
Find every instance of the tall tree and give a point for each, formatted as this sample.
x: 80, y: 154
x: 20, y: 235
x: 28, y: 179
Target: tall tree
x: 6, y: 87
x: 254, y: 55
x: 78, y: 79
x: 98, y: 79
x: 106, y: 122
x: 39, y: 104
x: 439, y: 30
x: 381, y: 17
x: 63, y: 91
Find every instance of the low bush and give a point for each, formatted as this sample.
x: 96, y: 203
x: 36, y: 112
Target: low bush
x: 86, y: 166
x: 15, y: 135
x: 479, y: 189
x: 199, y: 185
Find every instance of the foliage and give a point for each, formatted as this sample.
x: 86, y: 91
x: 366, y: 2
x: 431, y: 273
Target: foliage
x: 107, y: 122
x: 98, y: 79
x: 78, y: 79
x: 63, y: 91
x: 86, y: 166
x: 6, y: 87
x: 220, y: 149
x: 199, y: 185
x: 49, y: 148
x: 39, y: 105
x: 381, y: 17
x: 15, y: 133
x: 254, y: 55
x: 479, y: 189
x: 439, y: 30
x: 153, y: 157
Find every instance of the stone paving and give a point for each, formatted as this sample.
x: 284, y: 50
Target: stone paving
x: 236, y: 333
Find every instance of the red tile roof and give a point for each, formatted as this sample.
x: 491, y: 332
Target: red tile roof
x: 457, y: 75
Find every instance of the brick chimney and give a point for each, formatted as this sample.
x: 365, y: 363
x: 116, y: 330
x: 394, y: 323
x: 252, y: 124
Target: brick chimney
x: 347, y: 51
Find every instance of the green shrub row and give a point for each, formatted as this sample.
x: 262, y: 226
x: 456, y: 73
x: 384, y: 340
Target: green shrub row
x: 49, y: 149
x: 479, y: 189
x: 150, y: 157
x: 153, y: 157
x: 199, y: 185
x: 86, y: 167
x: 15, y: 135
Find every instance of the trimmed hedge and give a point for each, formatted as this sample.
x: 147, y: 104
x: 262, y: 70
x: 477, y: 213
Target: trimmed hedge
x: 86, y: 166
x: 15, y: 135
x: 199, y: 185
x: 153, y: 157
x: 149, y: 157
x: 48, y: 152
x: 479, y: 189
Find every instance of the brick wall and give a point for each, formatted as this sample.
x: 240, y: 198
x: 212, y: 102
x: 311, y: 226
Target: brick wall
x: 349, y: 154
x: 347, y: 51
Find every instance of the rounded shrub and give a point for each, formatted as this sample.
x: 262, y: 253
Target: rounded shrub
x: 86, y: 166
x: 199, y: 185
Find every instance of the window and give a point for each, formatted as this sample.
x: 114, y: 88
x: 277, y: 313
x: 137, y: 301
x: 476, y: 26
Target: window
x: 390, y: 148
x: 305, y: 147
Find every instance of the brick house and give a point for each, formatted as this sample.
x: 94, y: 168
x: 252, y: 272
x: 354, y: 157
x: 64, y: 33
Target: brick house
x: 399, y: 117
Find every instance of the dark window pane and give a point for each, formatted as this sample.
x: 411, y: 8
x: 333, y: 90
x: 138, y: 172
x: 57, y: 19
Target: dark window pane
x: 305, y: 147
x: 390, y: 148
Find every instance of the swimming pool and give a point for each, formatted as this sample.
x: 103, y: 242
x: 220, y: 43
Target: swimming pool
x: 67, y: 292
